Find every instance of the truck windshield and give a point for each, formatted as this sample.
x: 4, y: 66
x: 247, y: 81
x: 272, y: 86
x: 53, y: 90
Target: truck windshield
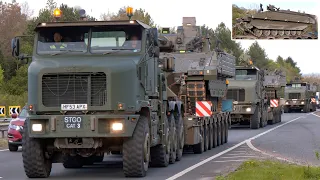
x: 246, y: 74
x: 62, y: 39
x: 120, y: 38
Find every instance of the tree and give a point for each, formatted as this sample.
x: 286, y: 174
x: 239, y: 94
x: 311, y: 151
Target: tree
x: 258, y: 55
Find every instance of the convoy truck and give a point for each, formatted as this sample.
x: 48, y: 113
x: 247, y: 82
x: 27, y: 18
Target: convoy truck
x: 99, y: 91
x: 274, y: 82
x: 298, y: 96
x: 248, y: 93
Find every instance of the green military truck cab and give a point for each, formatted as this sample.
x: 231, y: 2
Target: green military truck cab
x: 247, y: 91
x: 96, y: 87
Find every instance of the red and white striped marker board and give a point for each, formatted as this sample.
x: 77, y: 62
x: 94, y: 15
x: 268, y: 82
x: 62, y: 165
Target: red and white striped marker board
x: 274, y: 102
x: 203, y: 108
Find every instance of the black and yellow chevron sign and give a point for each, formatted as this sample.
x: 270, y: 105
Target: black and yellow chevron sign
x: 14, y: 109
x: 2, y: 111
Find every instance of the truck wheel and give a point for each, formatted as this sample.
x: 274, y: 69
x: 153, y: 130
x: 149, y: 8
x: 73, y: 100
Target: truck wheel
x: 174, y: 141
x: 226, y: 130
x: 199, y: 148
x: 136, y: 150
x: 286, y: 110
x: 279, y: 117
x: 219, y: 132
x: 223, y: 130
x: 99, y: 158
x: 160, y: 154
x: 89, y: 160
x: 75, y: 161
x: 274, y: 118
x: 215, y: 135
x: 180, y: 132
x: 206, y: 137
x: 35, y: 164
x: 210, y: 136
x: 255, y: 121
x: 13, y: 148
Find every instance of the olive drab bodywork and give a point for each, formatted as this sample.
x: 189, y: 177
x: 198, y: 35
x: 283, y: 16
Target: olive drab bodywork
x: 110, y: 91
x: 274, y: 83
x: 247, y: 91
x: 199, y: 80
x: 276, y: 24
x: 300, y: 96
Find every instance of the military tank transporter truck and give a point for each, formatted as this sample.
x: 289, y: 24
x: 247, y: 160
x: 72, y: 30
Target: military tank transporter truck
x: 276, y: 24
x: 274, y: 82
x: 247, y: 91
x: 199, y: 80
x: 298, y: 96
x: 100, y: 86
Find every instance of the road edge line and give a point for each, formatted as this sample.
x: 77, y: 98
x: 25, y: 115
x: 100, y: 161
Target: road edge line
x: 227, y: 150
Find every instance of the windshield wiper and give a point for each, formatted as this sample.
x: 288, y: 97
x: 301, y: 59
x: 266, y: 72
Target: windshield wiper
x: 116, y: 50
x: 64, y: 51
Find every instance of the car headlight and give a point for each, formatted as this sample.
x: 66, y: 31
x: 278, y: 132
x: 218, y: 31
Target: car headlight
x: 302, y: 102
x: 287, y: 102
x: 15, y: 127
x: 248, y: 109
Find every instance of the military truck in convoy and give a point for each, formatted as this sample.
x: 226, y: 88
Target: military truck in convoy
x: 298, y: 96
x: 274, y: 82
x: 101, y: 86
x: 276, y: 23
x: 247, y: 91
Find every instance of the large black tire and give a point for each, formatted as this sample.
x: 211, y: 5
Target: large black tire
x: 174, y: 140
x: 227, y: 130
x: 99, y: 158
x: 215, y: 135
x: 180, y: 133
x: 35, y: 164
x: 13, y: 148
x: 211, y: 137
x: 279, y: 117
x: 223, y: 129
x: 206, y: 137
x: 255, y: 121
x: 160, y: 154
x: 136, y: 150
x: 70, y: 162
x: 219, y: 133
x: 199, y: 148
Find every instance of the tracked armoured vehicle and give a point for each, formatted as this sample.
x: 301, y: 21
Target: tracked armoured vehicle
x: 203, y: 89
x: 276, y: 24
x: 96, y: 87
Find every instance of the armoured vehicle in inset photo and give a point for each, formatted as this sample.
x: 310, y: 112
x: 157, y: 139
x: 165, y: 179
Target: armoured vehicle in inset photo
x: 276, y: 23
x: 96, y: 87
x: 247, y: 91
x: 298, y: 96
x: 274, y: 83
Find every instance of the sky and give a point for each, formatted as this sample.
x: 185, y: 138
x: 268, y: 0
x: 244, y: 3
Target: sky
x: 169, y: 13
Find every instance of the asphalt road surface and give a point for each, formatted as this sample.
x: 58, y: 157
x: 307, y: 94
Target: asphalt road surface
x: 294, y: 137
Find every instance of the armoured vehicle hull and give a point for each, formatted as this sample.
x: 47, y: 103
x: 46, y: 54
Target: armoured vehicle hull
x: 247, y: 91
x: 96, y: 94
x: 277, y: 24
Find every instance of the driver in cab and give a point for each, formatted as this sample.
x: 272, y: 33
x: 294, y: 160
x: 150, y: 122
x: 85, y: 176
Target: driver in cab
x: 58, y: 42
x: 134, y: 43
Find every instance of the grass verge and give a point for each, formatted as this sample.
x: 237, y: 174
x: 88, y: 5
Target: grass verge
x: 3, y: 143
x: 272, y: 169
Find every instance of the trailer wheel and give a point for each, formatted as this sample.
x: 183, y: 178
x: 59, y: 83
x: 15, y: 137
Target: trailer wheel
x: 210, y: 136
x: 160, y: 154
x: 219, y: 131
x: 35, y: 164
x: 215, y: 135
x: 99, y: 158
x: 180, y: 132
x: 199, y: 148
x: 75, y: 161
x: 279, y: 117
x: 255, y: 120
x: 227, y: 130
x: 206, y: 137
x: 223, y: 129
x: 136, y: 150
x: 174, y: 141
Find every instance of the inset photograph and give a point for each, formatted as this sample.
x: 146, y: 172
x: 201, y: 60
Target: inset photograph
x: 276, y: 20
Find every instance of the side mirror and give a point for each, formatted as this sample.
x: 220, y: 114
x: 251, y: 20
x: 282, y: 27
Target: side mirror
x: 154, y: 35
x: 15, y: 46
x: 14, y: 115
x: 156, y: 52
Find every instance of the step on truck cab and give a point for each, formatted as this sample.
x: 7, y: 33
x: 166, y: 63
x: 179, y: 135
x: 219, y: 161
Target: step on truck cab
x: 199, y: 80
x: 274, y: 82
x: 247, y: 91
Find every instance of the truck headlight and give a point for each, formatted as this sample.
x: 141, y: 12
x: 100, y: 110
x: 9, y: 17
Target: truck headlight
x: 287, y: 102
x: 248, y: 109
x: 190, y: 119
x: 37, y: 127
x: 302, y: 102
x: 117, y: 126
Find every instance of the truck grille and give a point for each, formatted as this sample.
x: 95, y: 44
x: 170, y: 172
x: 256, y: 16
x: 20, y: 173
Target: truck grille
x: 74, y: 88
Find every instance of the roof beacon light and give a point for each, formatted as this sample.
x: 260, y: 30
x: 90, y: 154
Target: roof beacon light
x: 129, y: 11
x: 57, y: 13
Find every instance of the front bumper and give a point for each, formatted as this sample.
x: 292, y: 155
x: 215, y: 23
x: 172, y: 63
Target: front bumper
x: 294, y: 106
x: 14, y: 137
x: 54, y: 126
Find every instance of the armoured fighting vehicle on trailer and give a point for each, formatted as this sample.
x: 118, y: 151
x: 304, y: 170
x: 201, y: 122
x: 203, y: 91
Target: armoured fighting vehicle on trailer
x: 298, y: 96
x: 276, y: 24
x: 274, y: 83
x: 102, y: 86
x: 203, y: 89
x: 247, y: 91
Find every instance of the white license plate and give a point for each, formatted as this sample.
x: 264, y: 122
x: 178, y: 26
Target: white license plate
x: 74, y: 107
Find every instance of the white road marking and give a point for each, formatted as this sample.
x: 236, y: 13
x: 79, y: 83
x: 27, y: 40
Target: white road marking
x: 240, y: 151
x: 238, y: 157
x: 239, y: 160
x: 315, y: 115
x: 1, y: 150
x: 227, y: 150
x: 238, y: 154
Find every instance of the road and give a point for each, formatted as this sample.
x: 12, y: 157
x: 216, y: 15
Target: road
x: 293, y: 137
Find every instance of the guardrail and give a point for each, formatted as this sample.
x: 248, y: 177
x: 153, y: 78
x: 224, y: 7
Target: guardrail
x: 3, y: 129
x: 5, y: 119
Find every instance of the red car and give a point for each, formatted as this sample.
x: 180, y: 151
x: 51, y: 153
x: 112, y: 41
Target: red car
x: 15, y: 130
